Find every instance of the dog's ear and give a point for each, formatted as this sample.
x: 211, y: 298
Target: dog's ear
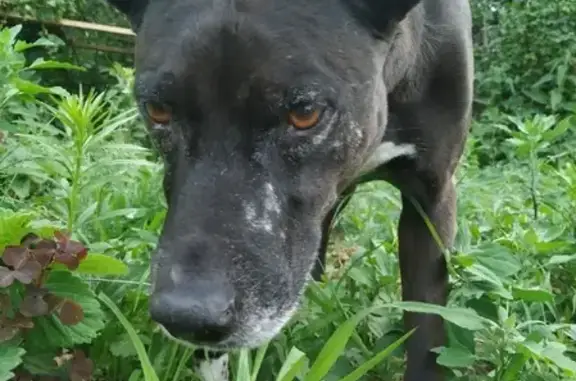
x: 133, y: 9
x: 380, y: 15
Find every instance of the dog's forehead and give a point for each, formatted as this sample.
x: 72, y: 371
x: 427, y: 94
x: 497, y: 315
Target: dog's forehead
x: 275, y: 38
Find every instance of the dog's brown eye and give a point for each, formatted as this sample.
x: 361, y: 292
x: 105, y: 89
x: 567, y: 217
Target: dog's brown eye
x: 303, y: 119
x: 158, y: 113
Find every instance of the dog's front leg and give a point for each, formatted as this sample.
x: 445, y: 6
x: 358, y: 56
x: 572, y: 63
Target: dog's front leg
x: 424, y: 274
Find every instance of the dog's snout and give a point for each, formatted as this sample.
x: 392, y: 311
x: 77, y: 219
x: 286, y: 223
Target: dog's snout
x: 201, y: 316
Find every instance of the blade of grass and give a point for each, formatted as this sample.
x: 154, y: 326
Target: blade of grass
x: 258, y: 361
x: 334, y: 347
x: 368, y: 365
x: 147, y: 368
x: 294, y: 363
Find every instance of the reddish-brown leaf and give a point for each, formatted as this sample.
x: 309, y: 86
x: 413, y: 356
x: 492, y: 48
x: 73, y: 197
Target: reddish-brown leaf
x: 30, y: 272
x: 54, y: 302
x: 6, y: 277
x: 15, y: 256
x: 22, y: 376
x: 29, y: 239
x: 43, y: 257
x: 68, y: 260
x: 71, y: 313
x: 21, y: 321
x: 8, y: 333
x: 5, y: 304
x: 33, y: 303
x: 81, y: 367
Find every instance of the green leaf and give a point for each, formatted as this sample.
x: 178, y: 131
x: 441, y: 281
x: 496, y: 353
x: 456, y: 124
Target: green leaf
x: 10, y: 358
x: 498, y: 259
x: 532, y: 294
x: 41, y: 361
x: 40, y: 63
x: 561, y: 259
x: 49, y: 331
x: 463, y: 317
x: 553, y: 352
x: 514, y: 366
x: 98, y: 264
x: 31, y: 88
x: 147, y: 368
x: 123, y: 347
x: 455, y: 357
x: 260, y: 353
x: 334, y: 347
x: 377, y: 359
x: 293, y: 365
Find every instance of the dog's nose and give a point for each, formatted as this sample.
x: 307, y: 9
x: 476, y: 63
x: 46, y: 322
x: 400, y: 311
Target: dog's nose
x: 201, y: 318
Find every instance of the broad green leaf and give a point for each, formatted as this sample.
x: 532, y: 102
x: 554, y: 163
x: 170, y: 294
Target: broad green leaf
x: 101, y: 264
x: 10, y: 358
x: 455, y: 357
x: 377, y: 359
x: 514, y: 366
x: 124, y: 347
x: 334, y: 347
x: 463, y: 317
x: 553, y: 352
x: 40, y: 63
x: 532, y: 294
x: 41, y: 361
x: 49, y: 330
x: 561, y: 259
x: 147, y: 368
x: 293, y: 365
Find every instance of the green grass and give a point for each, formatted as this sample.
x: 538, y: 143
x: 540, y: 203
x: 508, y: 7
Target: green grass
x: 76, y: 162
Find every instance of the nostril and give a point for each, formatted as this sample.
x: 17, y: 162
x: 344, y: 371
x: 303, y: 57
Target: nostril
x: 207, y: 319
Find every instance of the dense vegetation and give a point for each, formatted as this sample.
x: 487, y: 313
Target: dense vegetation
x: 81, y: 207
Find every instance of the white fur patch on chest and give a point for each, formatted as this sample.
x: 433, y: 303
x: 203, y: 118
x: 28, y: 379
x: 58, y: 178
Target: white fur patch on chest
x: 211, y: 369
x: 385, y: 153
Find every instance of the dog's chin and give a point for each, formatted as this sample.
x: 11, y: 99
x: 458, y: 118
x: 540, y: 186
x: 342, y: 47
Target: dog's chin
x: 257, y: 330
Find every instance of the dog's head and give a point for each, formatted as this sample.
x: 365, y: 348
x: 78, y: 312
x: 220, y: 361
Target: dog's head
x: 263, y: 111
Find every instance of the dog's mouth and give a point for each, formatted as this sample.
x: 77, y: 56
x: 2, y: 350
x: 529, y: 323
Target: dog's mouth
x: 258, y: 329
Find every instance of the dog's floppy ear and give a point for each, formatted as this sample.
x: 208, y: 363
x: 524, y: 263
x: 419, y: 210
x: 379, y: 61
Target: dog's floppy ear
x: 133, y: 9
x: 380, y: 15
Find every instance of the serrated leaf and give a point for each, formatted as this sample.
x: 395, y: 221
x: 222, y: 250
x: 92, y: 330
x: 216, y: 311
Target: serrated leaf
x: 101, y: 264
x: 455, y: 357
x: 50, y: 331
x: 41, y: 64
x: 532, y: 294
x: 124, y: 347
x: 10, y: 358
x: 561, y: 259
x: 463, y: 317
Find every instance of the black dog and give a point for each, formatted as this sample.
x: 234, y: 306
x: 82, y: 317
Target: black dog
x: 267, y: 112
